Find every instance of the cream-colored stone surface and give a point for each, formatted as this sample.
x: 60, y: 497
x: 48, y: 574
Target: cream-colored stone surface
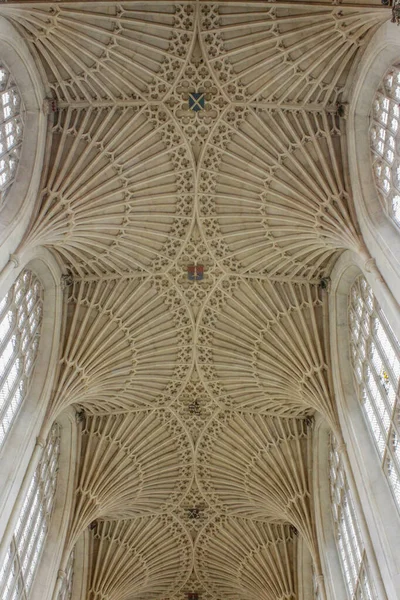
x: 195, y: 394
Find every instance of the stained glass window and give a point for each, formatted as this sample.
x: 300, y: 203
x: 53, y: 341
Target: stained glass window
x: 375, y: 358
x: 22, y: 559
x: 349, y: 541
x: 385, y: 140
x: 11, y: 130
x: 20, y: 325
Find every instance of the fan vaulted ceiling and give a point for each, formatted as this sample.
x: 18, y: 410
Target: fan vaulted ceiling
x: 196, y: 392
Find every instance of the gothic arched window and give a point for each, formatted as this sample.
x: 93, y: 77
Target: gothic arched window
x: 375, y: 359
x: 385, y: 142
x: 347, y: 531
x: 23, y: 555
x: 20, y: 325
x: 11, y: 130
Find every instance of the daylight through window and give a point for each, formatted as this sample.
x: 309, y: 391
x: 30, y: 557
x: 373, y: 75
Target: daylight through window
x: 375, y: 357
x: 385, y: 140
x: 20, y: 325
x: 347, y: 532
x: 22, y: 558
x: 11, y: 130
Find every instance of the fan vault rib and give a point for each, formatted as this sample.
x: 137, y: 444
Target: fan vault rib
x: 195, y: 195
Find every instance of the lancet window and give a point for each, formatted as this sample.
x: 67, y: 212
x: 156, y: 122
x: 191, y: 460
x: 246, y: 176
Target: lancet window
x: 20, y: 325
x: 349, y: 541
x: 385, y: 140
x: 375, y: 356
x: 11, y: 130
x: 23, y: 555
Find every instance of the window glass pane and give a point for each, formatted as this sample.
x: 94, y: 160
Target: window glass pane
x: 385, y: 139
x: 347, y: 531
x: 22, y: 559
x: 375, y: 356
x: 20, y: 326
x: 11, y: 130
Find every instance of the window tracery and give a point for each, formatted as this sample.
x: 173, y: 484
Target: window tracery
x: 375, y: 356
x: 20, y: 325
x: 347, y: 531
x: 127, y: 182
x: 23, y: 555
x: 11, y: 130
x: 385, y: 141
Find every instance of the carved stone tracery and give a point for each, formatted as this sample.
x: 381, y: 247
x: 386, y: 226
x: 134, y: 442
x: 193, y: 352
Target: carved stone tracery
x: 194, y: 394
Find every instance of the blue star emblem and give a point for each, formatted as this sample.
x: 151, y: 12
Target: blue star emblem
x: 196, y: 101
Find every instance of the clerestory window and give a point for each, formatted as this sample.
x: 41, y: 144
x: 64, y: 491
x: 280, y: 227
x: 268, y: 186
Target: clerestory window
x: 11, y: 130
x: 23, y: 555
x: 375, y: 356
x: 348, y: 536
x: 385, y: 142
x: 20, y: 325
